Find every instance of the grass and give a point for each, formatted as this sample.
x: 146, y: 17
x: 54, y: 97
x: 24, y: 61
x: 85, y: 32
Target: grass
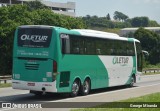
x: 148, y: 66
x: 2, y: 85
x: 155, y: 97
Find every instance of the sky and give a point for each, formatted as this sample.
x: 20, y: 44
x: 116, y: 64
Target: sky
x: 132, y: 8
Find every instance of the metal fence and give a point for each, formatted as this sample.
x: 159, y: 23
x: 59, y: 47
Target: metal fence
x: 4, y: 79
x: 152, y: 70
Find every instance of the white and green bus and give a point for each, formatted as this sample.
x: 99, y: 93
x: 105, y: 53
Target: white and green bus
x: 55, y: 59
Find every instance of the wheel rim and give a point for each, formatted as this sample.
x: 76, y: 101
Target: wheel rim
x: 75, y: 88
x: 86, y: 86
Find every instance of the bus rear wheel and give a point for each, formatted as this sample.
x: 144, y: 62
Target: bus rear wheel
x: 85, y: 88
x: 75, y: 88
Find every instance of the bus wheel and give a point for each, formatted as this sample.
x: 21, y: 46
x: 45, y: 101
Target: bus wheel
x: 75, y: 88
x: 132, y: 81
x: 85, y: 87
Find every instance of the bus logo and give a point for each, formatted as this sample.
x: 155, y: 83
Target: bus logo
x: 34, y: 38
x: 66, y: 36
x: 123, y: 61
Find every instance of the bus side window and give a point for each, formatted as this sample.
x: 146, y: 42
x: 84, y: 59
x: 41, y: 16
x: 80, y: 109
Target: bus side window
x: 90, y: 46
x: 76, y: 44
x: 65, y: 45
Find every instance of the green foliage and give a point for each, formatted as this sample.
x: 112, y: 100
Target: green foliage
x: 34, y: 5
x: 33, y: 13
x: 3, y: 85
x: 122, y: 21
x: 140, y: 22
x: 153, y: 23
x: 120, y: 16
x: 94, y: 21
x: 108, y: 17
x: 150, y: 66
x: 150, y: 42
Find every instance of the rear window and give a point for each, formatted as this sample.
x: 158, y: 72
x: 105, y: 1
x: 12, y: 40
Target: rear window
x: 34, y: 37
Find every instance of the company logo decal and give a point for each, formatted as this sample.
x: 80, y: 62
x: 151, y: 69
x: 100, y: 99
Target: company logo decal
x: 64, y: 36
x: 34, y: 38
x: 123, y: 61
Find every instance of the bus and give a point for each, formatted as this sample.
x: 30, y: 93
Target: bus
x: 55, y: 59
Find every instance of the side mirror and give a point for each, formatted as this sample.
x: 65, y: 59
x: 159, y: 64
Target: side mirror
x: 145, y: 53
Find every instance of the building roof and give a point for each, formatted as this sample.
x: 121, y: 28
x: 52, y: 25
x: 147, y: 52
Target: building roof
x: 149, y: 28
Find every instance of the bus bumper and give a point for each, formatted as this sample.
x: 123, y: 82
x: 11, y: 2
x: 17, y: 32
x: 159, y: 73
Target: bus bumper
x: 35, y: 86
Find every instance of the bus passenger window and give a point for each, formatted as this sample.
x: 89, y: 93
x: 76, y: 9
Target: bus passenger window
x: 76, y: 44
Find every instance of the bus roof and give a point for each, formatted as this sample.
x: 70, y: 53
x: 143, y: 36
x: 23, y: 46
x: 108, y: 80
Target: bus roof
x: 86, y: 32
x: 37, y: 26
x: 100, y: 34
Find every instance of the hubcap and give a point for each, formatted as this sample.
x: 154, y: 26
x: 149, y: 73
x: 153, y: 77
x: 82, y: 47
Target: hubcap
x: 86, y: 86
x: 75, y: 88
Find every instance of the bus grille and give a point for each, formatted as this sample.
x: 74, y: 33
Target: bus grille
x: 32, y: 66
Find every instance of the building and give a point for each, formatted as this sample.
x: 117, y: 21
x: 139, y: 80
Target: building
x: 61, y: 8
x: 130, y: 31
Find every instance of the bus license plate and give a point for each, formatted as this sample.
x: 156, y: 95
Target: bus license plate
x: 31, y: 84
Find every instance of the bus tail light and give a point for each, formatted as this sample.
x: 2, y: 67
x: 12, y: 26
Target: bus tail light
x: 54, y: 66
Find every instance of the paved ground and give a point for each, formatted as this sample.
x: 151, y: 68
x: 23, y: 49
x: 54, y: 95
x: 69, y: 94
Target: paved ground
x: 148, y: 85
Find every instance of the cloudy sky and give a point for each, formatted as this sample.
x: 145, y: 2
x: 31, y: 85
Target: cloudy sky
x: 132, y: 8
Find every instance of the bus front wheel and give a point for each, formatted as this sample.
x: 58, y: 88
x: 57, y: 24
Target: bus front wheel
x: 132, y: 81
x: 75, y: 88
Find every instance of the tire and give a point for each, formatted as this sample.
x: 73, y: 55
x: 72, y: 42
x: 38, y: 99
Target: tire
x: 85, y: 88
x: 75, y: 88
x: 132, y: 81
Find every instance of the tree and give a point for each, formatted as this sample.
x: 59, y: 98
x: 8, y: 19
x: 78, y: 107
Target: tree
x: 16, y: 15
x: 153, y: 23
x: 120, y: 16
x: 108, y: 17
x: 34, y: 5
x: 150, y: 42
x: 140, y: 22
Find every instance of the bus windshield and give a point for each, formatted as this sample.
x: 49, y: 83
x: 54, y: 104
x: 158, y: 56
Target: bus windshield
x: 34, y: 37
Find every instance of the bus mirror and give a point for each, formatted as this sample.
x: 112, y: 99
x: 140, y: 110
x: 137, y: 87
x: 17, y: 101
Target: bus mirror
x: 145, y: 53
